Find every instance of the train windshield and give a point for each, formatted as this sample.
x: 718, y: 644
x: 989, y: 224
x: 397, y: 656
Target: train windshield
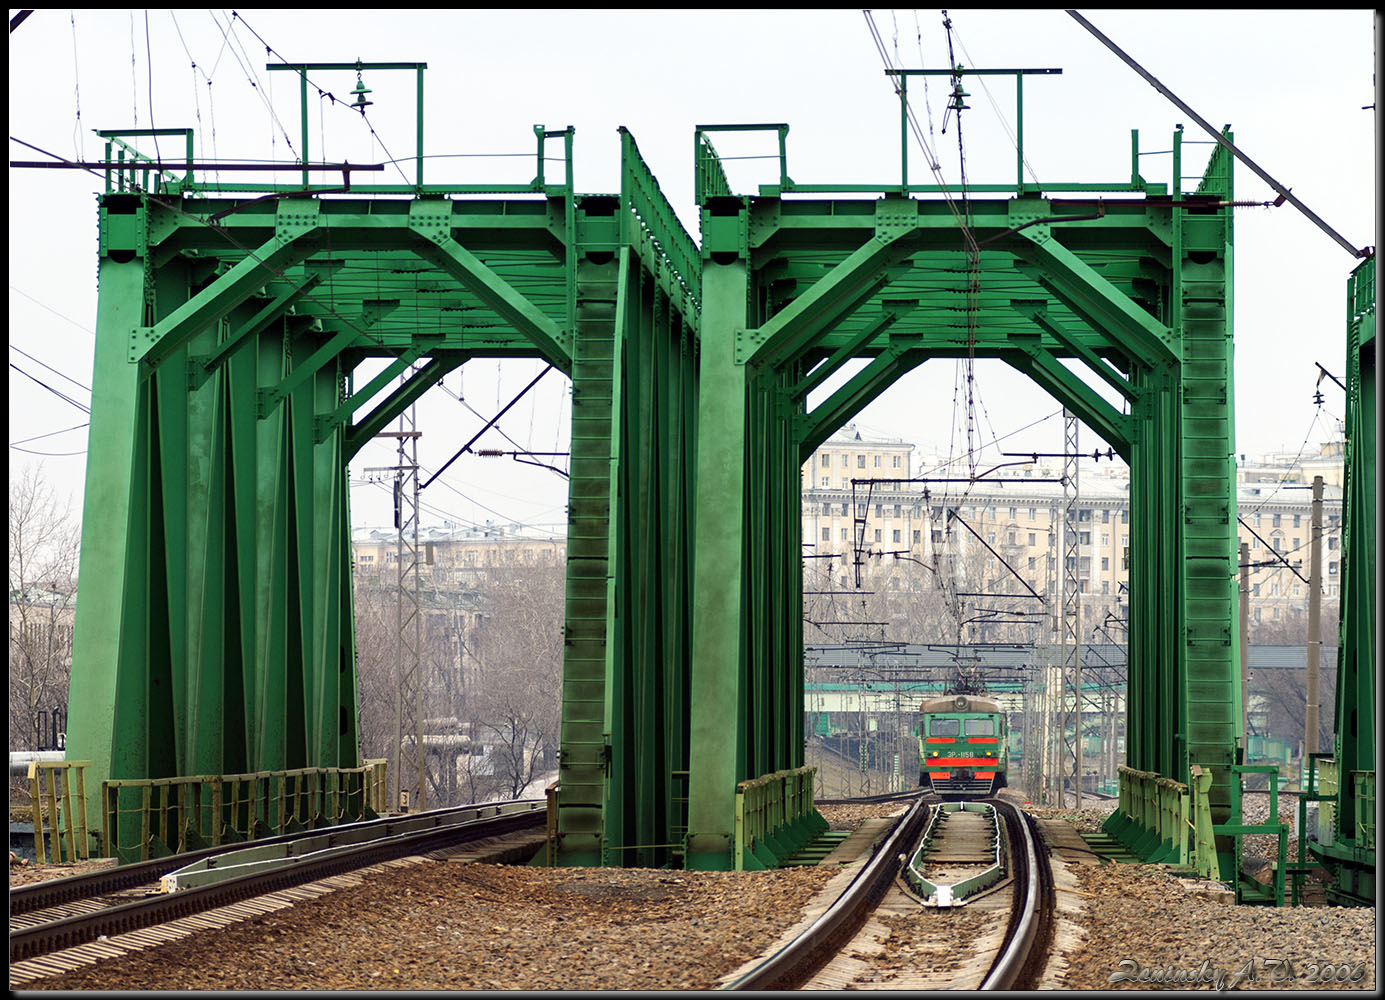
x: 943, y: 727
x: 980, y: 727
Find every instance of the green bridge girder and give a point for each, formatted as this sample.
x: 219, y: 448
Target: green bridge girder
x: 214, y: 631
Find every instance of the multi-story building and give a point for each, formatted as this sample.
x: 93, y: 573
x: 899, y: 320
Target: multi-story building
x: 451, y: 557
x: 865, y: 509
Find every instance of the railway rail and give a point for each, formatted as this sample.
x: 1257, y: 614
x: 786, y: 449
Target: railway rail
x: 51, y: 916
x: 1008, y: 959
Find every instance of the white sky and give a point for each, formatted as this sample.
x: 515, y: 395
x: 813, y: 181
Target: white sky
x: 1291, y: 83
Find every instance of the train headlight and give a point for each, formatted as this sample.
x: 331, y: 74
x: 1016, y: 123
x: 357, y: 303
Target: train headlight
x: 935, y: 753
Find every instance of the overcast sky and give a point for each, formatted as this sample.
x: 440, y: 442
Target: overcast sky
x: 1292, y: 84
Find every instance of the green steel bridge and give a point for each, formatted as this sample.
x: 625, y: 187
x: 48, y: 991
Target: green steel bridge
x: 215, y: 630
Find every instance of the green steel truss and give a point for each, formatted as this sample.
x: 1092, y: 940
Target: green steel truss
x: 214, y: 632
x: 1350, y: 853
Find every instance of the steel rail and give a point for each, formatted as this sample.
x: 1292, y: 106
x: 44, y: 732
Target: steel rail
x: 72, y: 931
x: 1031, y: 911
x: 72, y: 888
x: 796, y: 961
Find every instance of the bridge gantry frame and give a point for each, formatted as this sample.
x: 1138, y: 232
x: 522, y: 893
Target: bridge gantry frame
x: 214, y: 627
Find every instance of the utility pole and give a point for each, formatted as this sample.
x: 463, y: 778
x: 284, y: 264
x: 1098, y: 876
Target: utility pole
x: 1245, y: 645
x: 1069, y: 627
x: 1310, y: 741
x: 411, y: 759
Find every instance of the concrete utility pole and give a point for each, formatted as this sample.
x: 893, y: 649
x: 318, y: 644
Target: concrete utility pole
x: 1245, y: 645
x: 1310, y: 722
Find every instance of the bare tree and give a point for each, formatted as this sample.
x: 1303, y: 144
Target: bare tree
x: 519, y: 650
x: 44, y: 543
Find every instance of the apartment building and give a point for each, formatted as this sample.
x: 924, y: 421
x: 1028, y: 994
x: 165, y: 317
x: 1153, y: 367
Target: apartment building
x: 868, y: 509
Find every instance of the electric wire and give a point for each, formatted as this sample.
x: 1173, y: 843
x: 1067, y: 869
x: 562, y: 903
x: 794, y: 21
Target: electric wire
x: 61, y: 395
x: 84, y: 329
x: 39, y: 437
x: 36, y: 361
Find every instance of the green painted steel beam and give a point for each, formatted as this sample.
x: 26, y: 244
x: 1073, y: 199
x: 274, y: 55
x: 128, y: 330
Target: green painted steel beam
x: 439, y: 248
x: 440, y: 364
x: 791, y: 331
x: 717, y: 714
x: 151, y: 346
x: 1089, y: 357
x: 864, y: 387
x: 1084, y: 291
x: 1114, y: 427
x: 339, y: 416
x: 274, y: 310
x: 843, y: 354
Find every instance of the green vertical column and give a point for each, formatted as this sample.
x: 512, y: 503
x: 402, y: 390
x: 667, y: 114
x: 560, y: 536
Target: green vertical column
x: 591, y: 494
x: 717, y: 709
x: 101, y: 656
x: 1207, y: 477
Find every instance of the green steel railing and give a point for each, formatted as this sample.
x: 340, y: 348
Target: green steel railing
x: 1363, y: 783
x: 173, y: 815
x: 775, y: 817
x: 1151, y: 818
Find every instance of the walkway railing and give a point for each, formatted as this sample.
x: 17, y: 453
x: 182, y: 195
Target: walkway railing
x: 51, y: 791
x: 1151, y: 820
x: 143, y: 818
x: 775, y: 817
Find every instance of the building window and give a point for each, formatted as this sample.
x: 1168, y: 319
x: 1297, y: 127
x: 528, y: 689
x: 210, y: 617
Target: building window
x: 896, y: 534
x: 877, y: 534
x: 1297, y: 520
x: 1105, y: 539
x: 860, y: 461
x: 1033, y: 513
x: 545, y: 555
x: 1125, y: 517
x: 845, y: 510
x: 898, y: 510
x: 916, y: 538
x: 826, y: 482
x: 843, y: 534
x: 1105, y: 563
x: 1276, y: 520
x: 1297, y: 590
x: 896, y: 461
x: 827, y: 509
x: 845, y: 461
x: 1105, y: 585
x: 826, y: 460
x: 878, y: 510
x: 1275, y: 616
x: 990, y: 537
x: 1255, y: 543
x: 1105, y: 517
x: 846, y: 483
x: 1257, y: 521
x: 826, y: 534
x: 1032, y: 560
x: 1331, y: 543
x: 1084, y: 538
x: 1033, y: 539
x: 1296, y: 543
x: 877, y: 461
x: 860, y: 510
x: 1332, y: 569
x: 937, y: 536
x: 1254, y: 590
x: 1012, y: 538
x: 1012, y: 513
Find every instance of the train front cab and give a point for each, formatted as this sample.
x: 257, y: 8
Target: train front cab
x: 963, y: 754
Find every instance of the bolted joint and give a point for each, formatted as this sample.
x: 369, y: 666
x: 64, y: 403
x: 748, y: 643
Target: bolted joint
x: 431, y: 219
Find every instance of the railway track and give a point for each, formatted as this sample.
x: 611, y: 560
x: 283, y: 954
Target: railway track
x: 989, y: 941
x: 83, y: 910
